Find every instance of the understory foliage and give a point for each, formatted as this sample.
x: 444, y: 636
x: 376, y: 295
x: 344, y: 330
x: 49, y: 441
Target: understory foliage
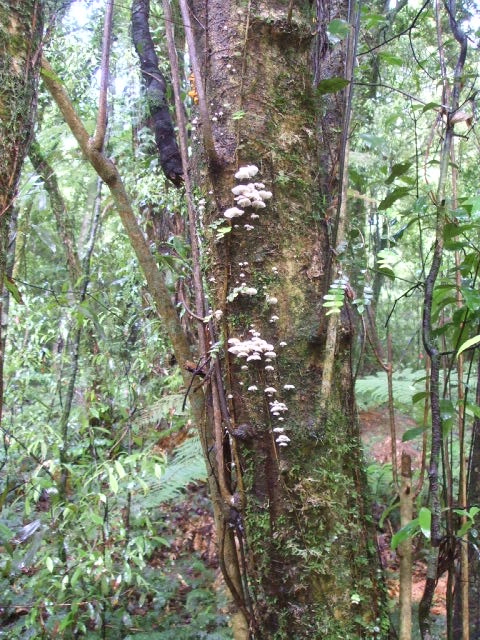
x: 91, y: 508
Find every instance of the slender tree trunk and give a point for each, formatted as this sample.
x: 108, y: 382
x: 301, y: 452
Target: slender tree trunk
x: 297, y: 498
x: 405, y: 550
x: 474, y: 499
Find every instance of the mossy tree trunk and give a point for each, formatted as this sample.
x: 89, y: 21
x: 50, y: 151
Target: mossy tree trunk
x: 292, y: 460
x: 20, y: 41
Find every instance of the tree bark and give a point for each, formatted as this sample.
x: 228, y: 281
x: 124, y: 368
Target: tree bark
x: 474, y: 499
x: 155, y: 93
x: 20, y: 40
x: 298, y: 501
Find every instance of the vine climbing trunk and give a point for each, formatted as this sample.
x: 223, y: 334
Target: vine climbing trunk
x: 289, y: 469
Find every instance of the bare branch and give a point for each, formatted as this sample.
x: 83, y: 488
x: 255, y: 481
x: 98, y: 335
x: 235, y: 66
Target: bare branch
x: 101, y: 127
x: 109, y: 174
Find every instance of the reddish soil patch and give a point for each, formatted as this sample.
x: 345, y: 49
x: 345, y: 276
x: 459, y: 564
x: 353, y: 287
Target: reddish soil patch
x: 375, y: 433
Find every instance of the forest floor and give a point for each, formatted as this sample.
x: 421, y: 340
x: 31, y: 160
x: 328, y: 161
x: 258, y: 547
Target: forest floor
x: 375, y: 433
x: 193, y: 586
x: 190, y: 530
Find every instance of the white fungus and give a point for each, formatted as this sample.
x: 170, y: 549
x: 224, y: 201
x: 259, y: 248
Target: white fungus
x: 233, y: 212
x: 244, y: 173
x: 265, y: 195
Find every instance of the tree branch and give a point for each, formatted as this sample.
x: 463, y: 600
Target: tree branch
x: 101, y: 127
x: 397, y: 35
x: 109, y: 174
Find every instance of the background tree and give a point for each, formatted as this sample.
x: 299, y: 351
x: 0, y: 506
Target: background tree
x: 20, y: 47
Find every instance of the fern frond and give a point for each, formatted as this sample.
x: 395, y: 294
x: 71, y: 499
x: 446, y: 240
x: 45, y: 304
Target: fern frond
x: 372, y: 391
x: 186, y: 465
x: 164, y: 407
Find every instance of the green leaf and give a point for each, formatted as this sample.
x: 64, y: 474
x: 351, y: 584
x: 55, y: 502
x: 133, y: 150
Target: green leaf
x: 339, y: 29
x: 49, y: 563
x: 447, y: 410
x: 386, y: 271
x: 398, y: 170
x: 13, y: 289
x: 371, y: 20
x: 448, y: 414
x: 431, y: 105
x: 389, y: 58
x: 373, y: 141
x: 239, y: 115
x: 472, y: 298
x: 396, y: 194
x: 411, y: 434
x: 120, y: 470
x: 421, y: 395
x: 473, y: 409
x: 469, y: 343
x: 408, y: 531
x: 464, y: 528
x: 5, y: 533
x: 331, y: 85
x: 76, y: 575
x: 425, y: 521
x: 113, y: 482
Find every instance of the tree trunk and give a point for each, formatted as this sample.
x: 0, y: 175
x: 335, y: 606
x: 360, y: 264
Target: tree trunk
x: 297, y: 501
x: 473, y: 497
x: 20, y: 36
x: 155, y: 93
